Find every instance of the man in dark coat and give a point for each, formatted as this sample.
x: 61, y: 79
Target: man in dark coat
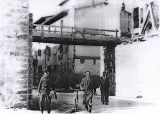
x: 104, y: 87
x: 96, y: 82
x: 44, y: 89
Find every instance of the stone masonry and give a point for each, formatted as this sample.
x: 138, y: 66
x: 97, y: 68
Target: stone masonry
x: 15, y: 54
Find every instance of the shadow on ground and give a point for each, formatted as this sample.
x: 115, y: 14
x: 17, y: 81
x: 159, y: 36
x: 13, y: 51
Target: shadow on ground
x: 116, y: 104
x: 65, y: 103
x: 58, y: 106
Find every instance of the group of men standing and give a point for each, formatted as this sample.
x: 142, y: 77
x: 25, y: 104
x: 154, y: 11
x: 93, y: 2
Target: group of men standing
x: 46, y: 90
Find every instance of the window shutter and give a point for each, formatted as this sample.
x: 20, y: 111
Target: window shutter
x: 136, y: 17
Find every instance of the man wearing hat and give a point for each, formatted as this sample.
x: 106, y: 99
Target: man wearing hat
x: 44, y: 89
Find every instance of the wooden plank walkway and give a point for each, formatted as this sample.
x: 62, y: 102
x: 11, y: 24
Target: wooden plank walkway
x: 74, y: 36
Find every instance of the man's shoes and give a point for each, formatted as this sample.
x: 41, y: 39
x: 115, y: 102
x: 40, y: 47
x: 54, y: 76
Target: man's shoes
x: 102, y: 102
x: 90, y: 108
x: 106, y: 103
x: 86, y: 107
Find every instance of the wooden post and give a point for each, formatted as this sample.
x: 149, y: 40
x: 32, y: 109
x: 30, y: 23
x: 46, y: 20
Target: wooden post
x: 55, y: 30
x: 74, y: 54
x: 49, y: 29
x: 45, y: 60
x: 72, y: 34
x: 83, y: 33
x: 42, y: 31
x: 116, y: 33
x: 101, y: 36
x: 61, y: 29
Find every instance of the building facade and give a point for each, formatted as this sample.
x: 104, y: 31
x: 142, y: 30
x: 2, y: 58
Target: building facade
x: 127, y: 64
x: 109, y: 15
x: 145, y: 18
x: 79, y: 58
x: 74, y: 58
x: 125, y: 22
x: 137, y: 73
x: 97, y: 15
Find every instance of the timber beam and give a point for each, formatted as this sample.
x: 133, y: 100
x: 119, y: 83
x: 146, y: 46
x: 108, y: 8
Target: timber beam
x: 69, y: 41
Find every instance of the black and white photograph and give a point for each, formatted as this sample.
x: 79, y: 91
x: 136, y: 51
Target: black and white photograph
x: 79, y: 56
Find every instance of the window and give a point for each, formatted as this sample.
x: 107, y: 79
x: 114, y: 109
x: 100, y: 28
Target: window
x: 155, y: 10
x: 141, y: 15
x: 82, y: 61
x: 94, y: 61
x: 136, y: 17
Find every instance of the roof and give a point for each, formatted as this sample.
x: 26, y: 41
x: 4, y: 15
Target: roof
x: 63, y: 2
x: 43, y: 19
x: 126, y: 12
x: 48, y: 20
x: 56, y: 17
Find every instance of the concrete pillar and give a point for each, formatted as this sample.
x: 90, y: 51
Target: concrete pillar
x: 15, y: 54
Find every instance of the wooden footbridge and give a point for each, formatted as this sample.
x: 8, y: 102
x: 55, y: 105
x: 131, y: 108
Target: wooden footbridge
x: 74, y: 35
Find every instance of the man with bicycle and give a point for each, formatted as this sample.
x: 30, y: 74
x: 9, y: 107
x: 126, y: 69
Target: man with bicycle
x: 87, y: 86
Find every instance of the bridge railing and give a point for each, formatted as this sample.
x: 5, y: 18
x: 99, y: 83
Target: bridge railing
x: 63, y: 30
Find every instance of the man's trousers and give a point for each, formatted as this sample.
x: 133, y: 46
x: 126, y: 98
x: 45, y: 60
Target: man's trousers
x: 45, y: 98
x: 104, y: 96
